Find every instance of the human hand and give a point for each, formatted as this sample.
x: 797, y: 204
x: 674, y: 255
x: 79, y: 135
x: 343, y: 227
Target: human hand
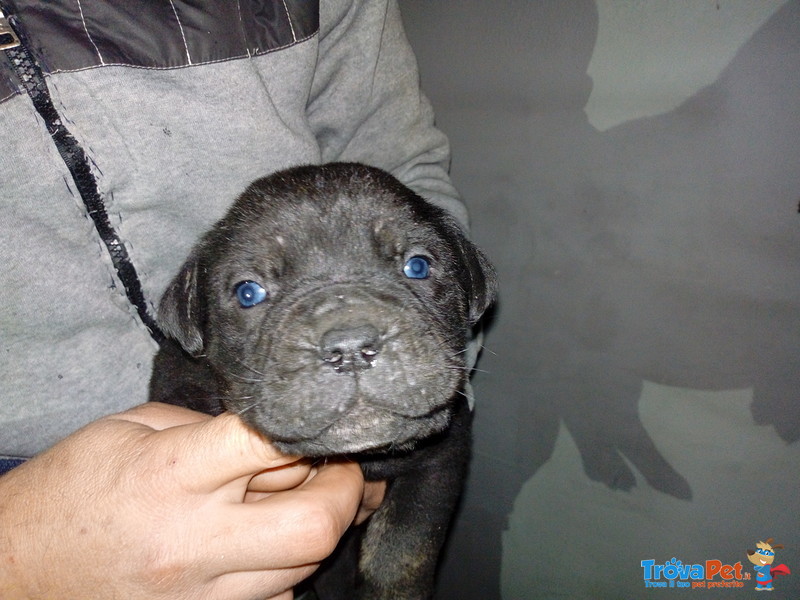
x: 163, y: 502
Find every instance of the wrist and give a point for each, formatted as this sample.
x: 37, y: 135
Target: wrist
x: 14, y: 561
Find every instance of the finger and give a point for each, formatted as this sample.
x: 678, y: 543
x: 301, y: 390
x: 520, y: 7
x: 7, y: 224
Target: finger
x: 281, y: 478
x: 205, y: 456
x: 157, y: 415
x: 291, y: 528
x: 374, y: 491
x: 276, y: 584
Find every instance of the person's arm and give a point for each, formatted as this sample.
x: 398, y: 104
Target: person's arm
x: 366, y: 104
x: 163, y: 502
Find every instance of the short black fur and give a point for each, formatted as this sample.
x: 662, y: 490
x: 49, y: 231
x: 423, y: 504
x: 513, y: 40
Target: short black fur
x: 345, y: 356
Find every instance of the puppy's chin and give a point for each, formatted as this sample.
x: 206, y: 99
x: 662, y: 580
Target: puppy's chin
x: 372, y: 431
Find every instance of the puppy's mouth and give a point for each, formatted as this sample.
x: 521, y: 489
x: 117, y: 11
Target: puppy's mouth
x: 372, y: 429
x: 324, y: 411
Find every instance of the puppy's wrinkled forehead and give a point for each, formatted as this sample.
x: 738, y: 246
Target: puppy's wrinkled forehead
x: 313, y: 223
x: 356, y: 224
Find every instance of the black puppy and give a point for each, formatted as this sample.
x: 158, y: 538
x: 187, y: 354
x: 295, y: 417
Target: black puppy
x: 330, y: 309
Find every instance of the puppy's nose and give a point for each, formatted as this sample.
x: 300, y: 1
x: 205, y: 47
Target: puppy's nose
x: 350, y: 348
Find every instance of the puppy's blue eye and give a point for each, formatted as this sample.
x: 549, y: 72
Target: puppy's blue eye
x: 250, y: 293
x: 417, y: 267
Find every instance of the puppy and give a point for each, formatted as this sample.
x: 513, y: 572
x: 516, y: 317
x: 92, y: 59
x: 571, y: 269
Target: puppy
x: 330, y: 309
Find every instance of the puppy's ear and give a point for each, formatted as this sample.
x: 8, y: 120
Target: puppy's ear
x: 483, y: 285
x: 180, y: 312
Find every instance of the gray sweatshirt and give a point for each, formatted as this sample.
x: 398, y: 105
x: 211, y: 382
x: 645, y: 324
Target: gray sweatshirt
x: 174, y: 110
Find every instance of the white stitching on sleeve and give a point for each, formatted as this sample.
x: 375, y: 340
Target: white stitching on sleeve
x: 289, y: 17
x: 183, y: 35
x: 88, y: 35
x: 241, y: 27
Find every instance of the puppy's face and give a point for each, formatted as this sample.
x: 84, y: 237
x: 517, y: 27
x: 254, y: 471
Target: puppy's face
x: 334, y: 304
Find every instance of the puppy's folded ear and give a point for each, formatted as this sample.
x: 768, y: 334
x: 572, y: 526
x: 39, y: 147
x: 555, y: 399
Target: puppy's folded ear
x: 482, y: 288
x: 180, y: 312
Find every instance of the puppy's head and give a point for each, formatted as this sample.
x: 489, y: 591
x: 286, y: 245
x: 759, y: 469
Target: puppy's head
x: 335, y: 305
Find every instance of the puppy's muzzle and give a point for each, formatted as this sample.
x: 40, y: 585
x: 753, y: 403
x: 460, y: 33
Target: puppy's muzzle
x: 351, y: 349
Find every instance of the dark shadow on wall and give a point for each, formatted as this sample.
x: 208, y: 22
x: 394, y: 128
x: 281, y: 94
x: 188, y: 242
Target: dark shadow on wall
x: 666, y: 249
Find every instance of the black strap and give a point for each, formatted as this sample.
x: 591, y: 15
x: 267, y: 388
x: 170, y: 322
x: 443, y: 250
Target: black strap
x: 33, y: 81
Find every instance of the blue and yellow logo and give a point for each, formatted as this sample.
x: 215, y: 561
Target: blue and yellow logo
x: 715, y: 573
x: 708, y: 574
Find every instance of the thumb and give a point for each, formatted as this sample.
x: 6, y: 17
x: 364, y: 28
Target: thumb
x: 209, y: 454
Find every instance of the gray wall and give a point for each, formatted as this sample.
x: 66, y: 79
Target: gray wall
x: 633, y: 168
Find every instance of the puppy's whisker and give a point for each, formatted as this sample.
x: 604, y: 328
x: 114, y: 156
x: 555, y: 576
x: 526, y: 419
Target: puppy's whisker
x: 487, y: 349
x: 468, y: 369
x: 459, y: 353
x: 302, y: 347
x: 246, y: 379
x: 249, y: 368
x: 462, y: 393
x: 247, y: 408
